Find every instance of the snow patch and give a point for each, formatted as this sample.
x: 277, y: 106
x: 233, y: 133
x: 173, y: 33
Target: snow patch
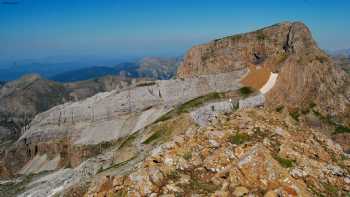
x: 270, y: 83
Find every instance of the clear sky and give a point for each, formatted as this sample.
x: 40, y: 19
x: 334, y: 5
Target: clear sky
x: 113, y: 28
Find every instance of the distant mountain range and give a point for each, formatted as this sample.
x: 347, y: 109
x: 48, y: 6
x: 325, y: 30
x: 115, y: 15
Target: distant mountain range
x: 342, y: 59
x: 150, y: 67
x: 340, y: 53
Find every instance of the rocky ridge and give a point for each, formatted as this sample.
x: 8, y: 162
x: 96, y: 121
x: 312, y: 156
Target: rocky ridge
x: 252, y: 152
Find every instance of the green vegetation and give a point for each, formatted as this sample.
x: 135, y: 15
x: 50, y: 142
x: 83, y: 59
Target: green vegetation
x: 286, y: 163
x: 260, y: 35
x: 121, y: 193
x: 245, y: 91
x: 190, y: 105
x: 330, y: 189
x: 146, y: 83
x: 115, y: 165
x: 281, y: 58
x: 202, y: 186
x: 128, y: 140
x: 341, y: 129
x: 279, y: 109
x: 295, y: 115
x: 197, y: 102
x: 239, y: 138
x: 156, y: 135
x: 233, y: 37
x: 338, y: 128
x: 173, y: 175
x: 187, y: 156
x: 161, y: 131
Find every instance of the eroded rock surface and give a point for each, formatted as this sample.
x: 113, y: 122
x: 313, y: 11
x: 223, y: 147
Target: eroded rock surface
x: 251, y: 152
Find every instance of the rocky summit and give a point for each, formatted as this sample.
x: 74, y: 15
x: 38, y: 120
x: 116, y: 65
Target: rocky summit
x: 306, y: 75
x: 264, y: 113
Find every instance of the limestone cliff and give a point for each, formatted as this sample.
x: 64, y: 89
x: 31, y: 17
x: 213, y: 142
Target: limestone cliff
x: 307, y: 76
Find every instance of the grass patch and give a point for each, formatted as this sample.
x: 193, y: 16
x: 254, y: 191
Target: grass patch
x: 330, y: 189
x: 245, y: 91
x: 146, y: 83
x: 198, y: 185
x: 173, y: 175
x: 286, y: 163
x: 338, y: 128
x: 260, y: 35
x: 190, y: 105
x: 197, y: 102
x: 341, y: 129
x: 295, y: 115
x: 128, y: 140
x: 233, y: 37
x: 239, y: 138
x: 281, y: 58
x: 121, y: 193
x: 160, y: 132
x: 187, y: 155
x: 279, y: 109
x: 115, y: 165
x: 156, y: 135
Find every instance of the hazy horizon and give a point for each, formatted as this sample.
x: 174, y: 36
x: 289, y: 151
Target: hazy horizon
x: 36, y: 29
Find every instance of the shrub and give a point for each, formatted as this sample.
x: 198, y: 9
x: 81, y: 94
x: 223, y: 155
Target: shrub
x: 245, y: 91
x: 341, y: 129
x: 187, y: 156
x: 279, y: 109
x: 286, y: 163
x: 260, y: 35
x: 239, y: 138
x: 295, y: 115
x: 281, y: 58
x: 206, y: 187
x: 173, y: 175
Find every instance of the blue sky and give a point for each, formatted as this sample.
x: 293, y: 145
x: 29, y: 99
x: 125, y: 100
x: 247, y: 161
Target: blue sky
x: 119, y: 28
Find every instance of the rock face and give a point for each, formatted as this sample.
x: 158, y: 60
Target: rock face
x: 251, y: 152
x: 74, y: 130
x: 21, y: 100
x: 306, y: 74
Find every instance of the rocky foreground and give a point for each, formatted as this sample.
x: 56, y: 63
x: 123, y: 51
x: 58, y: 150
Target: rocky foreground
x: 252, y: 152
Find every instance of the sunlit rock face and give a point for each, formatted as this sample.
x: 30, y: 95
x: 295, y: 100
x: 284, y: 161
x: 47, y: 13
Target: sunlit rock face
x: 306, y: 75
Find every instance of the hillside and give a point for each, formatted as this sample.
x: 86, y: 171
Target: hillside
x: 22, y: 99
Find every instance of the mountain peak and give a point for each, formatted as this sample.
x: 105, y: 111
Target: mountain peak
x: 286, y: 49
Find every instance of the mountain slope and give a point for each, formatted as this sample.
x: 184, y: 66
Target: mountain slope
x: 306, y: 75
x: 21, y: 100
x: 253, y: 152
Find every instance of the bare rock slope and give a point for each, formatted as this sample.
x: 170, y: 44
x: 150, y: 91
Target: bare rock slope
x: 252, y: 152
